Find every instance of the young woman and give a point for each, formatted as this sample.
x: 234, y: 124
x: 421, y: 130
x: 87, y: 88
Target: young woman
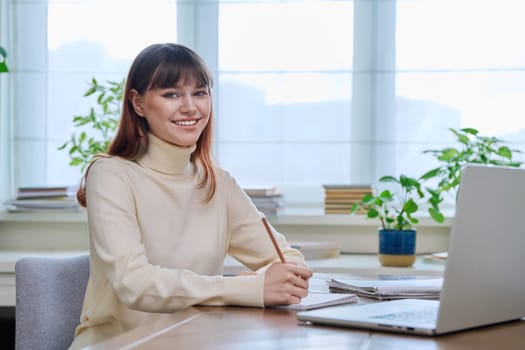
x: 162, y: 217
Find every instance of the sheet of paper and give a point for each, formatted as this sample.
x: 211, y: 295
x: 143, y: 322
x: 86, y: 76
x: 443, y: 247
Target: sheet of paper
x: 318, y: 300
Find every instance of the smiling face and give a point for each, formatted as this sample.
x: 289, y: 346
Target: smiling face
x: 178, y: 114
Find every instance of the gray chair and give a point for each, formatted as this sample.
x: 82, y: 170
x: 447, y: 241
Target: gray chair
x: 49, y: 297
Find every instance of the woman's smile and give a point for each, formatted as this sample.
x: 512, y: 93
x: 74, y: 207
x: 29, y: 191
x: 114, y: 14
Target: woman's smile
x: 186, y: 122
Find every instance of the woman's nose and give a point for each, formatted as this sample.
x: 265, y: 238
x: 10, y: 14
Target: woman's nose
x: 188, y: 105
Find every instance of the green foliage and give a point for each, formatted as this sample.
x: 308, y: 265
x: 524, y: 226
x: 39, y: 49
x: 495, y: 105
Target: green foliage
x: 3, y: 64
x: 395, y: 209
x: 474, y: 148
x: 104, y: 120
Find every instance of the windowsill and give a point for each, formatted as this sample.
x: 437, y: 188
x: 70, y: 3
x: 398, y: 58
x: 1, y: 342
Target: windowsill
x: 66, y: 231
x: 44, y: 217
x: 289, y: 216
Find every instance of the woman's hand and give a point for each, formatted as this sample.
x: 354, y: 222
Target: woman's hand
x: 285, y: 284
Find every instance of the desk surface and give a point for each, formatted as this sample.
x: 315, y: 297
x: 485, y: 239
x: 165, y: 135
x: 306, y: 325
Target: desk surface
x: 252, y: 328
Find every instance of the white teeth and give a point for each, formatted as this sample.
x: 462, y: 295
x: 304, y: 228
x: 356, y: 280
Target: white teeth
x: 186, y: 122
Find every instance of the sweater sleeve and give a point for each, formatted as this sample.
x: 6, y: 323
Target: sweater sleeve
x: 121, y: 259
x: 249, y: 241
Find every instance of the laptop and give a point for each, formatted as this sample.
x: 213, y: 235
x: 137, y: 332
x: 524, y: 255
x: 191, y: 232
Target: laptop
x: 484, y: 279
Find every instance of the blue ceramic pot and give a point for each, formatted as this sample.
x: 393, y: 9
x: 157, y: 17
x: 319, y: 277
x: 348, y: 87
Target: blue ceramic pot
x: 397, y: 247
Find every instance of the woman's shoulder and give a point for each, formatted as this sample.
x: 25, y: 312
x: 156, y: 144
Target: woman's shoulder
x: 226, y: 181
x: 108, y: 163
x: 223, y: 175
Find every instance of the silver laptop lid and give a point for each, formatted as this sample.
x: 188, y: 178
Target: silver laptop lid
x: 485, y: 277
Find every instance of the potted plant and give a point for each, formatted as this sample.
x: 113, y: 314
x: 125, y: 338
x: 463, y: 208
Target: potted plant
x: 395, y: 210
x: 103, y: 120
x: 3, y: 64
x: 475, y: 149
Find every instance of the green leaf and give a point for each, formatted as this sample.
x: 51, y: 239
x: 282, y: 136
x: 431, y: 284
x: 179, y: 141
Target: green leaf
x: 76, y: 161
x: 505, y: 152
x: 431, y: 173
x: 413, y: 220
x: 388, y: 178
x: 3, y: 64
x: 448, y: 154
x: 436, y: 215
x: 368, y: 198
x: 470, y: 131
x: 408, y: 182
x: 386, y: 196
x: 372, y: 213
x: 354, y: 208
x: 410, y: 206
x: 3, y: 67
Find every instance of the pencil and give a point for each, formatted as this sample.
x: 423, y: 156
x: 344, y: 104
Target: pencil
x: 276, y: 246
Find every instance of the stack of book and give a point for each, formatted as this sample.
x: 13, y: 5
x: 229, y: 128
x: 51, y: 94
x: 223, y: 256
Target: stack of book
x: 267, y: 199
x: 44, y: 198
x: 339, y: 199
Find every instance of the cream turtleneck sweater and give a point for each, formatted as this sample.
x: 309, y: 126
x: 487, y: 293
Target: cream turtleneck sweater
x: 157, y: 247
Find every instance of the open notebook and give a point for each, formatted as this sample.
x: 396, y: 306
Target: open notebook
x: 316, y: 300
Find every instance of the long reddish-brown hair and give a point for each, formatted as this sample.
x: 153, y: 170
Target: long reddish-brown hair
x: 159, y: 66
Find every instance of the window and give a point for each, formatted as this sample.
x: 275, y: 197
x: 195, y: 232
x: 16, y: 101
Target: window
x: 285, y: 94
x: 306, y: 93
x: 59, y: 46
x: 458, y: 64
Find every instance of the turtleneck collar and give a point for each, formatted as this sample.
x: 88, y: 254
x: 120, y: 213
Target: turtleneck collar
x: 167, y: 158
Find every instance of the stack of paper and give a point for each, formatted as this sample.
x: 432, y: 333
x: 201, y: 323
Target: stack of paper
x: 418, y: 288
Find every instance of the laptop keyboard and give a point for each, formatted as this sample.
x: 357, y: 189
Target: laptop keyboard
x: 418, y: 317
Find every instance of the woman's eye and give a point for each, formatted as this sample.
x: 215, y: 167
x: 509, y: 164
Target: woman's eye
x: 170, y: 95
x: 201, y: 93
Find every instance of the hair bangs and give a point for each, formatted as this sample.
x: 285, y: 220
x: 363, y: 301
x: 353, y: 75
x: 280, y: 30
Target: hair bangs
x: 187, y: 71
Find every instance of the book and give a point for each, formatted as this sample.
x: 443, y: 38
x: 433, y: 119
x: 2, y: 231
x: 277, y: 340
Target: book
x: 317, y: 250
x: 261, y: 191
x: 267, y: 199
x: 43, y: 204
x: 398, y: 287
x: 36, y: 192
x: 339, y: 199
x: 318, y: 300
x: 348, y: 187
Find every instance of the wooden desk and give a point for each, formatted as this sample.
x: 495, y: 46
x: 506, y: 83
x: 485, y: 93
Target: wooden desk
x: 252, y: 328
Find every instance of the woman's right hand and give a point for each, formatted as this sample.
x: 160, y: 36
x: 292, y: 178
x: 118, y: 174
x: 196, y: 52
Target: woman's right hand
x: 285, y: 284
